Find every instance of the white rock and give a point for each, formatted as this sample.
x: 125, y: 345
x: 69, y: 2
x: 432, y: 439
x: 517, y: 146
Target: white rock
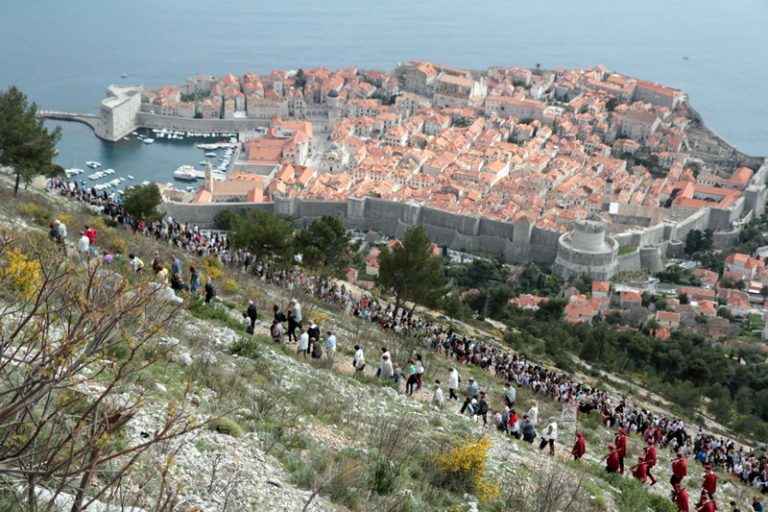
x: 184, y: 359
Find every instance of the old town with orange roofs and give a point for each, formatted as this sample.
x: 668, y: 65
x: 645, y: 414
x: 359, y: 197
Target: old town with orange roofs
x: 550, y: 147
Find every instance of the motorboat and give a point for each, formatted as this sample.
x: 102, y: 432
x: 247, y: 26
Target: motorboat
x: 148, y: 141
x: 187, y: 173
x: 145, y: 183
x: 130, y: 177
x: 93, y: 164
x: 210, y: 154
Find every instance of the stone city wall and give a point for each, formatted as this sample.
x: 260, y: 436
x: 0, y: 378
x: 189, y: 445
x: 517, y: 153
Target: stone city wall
x: 629, y: 262
x: 518, y: 242
x: 185, y: 124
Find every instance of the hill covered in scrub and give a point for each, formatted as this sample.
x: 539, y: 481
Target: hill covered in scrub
x: 118, y: 392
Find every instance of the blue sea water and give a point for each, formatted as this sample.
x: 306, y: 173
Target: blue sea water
x: 64, y: 54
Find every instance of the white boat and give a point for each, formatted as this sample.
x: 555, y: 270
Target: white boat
x: 124, y: 75
x: 93, y: 164
x: 126, y: 138
x: 187, y: 173
x: 145, y: 182
x: 130, y: 177
x: 109, y: 171
x: 148, y: 141
x: 211, y: 154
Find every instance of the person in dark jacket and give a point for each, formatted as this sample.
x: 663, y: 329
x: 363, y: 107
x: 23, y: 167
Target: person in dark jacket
x: 252, y: 314
x: 210, y: 291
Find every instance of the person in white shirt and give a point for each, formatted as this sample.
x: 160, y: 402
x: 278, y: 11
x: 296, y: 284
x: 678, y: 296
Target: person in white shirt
x: 453, y: 383
x: 330, y: 345
x: 386, y: 370
x: 296, y: 308
x: 549, y: 436
x: 437, y: 398
x: 303, y: 347
x: 384, y: 355
x: 533, y: 412
x: 359, y: 360
x: 83, y: 246
x: 419, y: 371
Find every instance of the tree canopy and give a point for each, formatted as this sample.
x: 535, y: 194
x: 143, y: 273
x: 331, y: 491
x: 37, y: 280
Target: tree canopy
x: 268, y: 237
x: 141, y: 201
x: 324, y: 245
x: 26, y: 145
x: 411, y: 272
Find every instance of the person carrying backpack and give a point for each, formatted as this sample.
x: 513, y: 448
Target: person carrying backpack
x: 210, y: 291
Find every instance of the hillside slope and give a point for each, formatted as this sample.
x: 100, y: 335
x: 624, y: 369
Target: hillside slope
x: 290, y: 433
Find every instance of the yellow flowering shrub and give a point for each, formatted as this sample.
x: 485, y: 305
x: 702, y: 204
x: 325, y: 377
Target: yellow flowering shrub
x: 22, y: 272
x: 212, y: 267
x: 320, y: 318
x: 230, y: 286
x: 463, y: 465
x: 36, y: 212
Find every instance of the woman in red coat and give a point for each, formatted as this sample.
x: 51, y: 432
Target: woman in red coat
x: 680, y: 498
x: 579, y: 447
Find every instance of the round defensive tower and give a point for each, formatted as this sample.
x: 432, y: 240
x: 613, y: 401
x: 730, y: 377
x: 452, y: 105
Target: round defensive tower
x: 586, y: 250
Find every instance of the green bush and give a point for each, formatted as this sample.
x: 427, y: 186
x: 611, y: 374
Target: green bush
x: 246, y: 347
x: 199, y: 309
x: 383, y: 476
x: 228, y: 427
x: 660, y: 503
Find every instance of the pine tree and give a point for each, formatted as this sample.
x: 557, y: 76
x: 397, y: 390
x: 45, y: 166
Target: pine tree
x: 411, y: 272
x: 26, y: 145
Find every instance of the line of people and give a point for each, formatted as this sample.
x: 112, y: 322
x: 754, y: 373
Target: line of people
x: 505, y: 364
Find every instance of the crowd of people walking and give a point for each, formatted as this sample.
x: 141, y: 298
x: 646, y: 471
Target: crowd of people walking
x: 513, y: 369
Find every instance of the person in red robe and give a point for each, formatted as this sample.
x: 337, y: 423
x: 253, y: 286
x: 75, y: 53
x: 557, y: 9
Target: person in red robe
x: 705, y: 503
x: 680, y: 498
x: 612, y: 460
x: 640, y: 470
x: 621, y: 447
x: 579, y: 447
x: 650, y: 459
x: 710, y: 481
x: 679, y: 468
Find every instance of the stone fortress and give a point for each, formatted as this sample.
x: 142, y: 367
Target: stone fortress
x: 592, y: 247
